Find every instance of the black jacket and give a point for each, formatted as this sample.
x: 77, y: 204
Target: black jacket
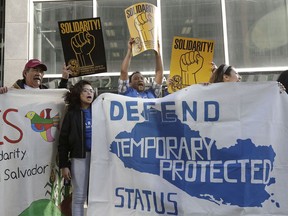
x: 72, y: 138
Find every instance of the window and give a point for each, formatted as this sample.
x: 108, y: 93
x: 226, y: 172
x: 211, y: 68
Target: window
x: 47, y: 42
x: 116, y: 35
x: 194, y: 19
x: 257, y: 33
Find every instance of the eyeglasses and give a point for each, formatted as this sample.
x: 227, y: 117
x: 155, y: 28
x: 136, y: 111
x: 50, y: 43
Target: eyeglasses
x: 88, y: 90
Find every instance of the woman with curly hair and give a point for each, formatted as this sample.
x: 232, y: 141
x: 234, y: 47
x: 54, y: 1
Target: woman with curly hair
x: 75, y: 142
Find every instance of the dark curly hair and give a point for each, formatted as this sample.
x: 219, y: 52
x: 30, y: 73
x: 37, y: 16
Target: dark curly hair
x: 72, y: 97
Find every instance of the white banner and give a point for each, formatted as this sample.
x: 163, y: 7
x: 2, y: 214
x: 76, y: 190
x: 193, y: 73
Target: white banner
x: 204, y: 150
x: 29, y: 175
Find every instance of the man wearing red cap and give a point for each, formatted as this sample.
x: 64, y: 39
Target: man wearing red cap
x: 33, y: 75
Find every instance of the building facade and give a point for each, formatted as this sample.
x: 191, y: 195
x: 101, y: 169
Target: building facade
x: 251, y: 35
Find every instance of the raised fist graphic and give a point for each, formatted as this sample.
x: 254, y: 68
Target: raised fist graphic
x: 144, y: 24
x: 83, y: 44
x: 190, y: 63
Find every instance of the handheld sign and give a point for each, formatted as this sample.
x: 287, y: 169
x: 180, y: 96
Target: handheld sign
x: 190, y: 62
x: 83, y: 46
x: 141, y: 19
x: 173, y: 156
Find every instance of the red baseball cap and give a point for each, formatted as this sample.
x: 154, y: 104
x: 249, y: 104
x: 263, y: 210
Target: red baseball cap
x: 32, y: 63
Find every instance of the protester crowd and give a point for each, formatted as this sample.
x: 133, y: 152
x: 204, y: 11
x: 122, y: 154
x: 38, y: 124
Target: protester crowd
x: 75, y: 135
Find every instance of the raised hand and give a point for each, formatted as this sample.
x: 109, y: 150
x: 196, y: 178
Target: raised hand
x: 3, y: 90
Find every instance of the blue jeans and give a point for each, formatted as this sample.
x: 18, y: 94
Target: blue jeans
x: 80, y: 175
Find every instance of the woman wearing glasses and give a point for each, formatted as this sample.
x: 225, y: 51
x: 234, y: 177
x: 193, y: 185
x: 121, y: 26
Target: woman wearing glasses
x: 75, y: 142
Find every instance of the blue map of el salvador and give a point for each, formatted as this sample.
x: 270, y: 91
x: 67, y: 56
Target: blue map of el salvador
x: 240, y: 176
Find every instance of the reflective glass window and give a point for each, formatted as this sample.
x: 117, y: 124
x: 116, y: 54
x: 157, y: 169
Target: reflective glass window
x: 257, y: 33
x: 116, y: 35
x: 47, y: 42
x: 193, y: 19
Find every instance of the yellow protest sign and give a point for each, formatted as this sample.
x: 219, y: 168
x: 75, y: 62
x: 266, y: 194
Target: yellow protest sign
x: 141, y: 20
x: 190, y: 62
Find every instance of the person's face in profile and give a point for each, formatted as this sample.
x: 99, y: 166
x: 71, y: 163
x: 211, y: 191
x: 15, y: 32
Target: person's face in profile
x: 34, y: 77
x: 232, y: 77
x: 137, y: 82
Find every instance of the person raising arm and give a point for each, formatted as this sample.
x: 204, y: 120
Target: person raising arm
x: 134, y: 85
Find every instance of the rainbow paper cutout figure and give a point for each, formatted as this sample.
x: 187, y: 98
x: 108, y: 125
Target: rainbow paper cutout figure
x: 43, y: 123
